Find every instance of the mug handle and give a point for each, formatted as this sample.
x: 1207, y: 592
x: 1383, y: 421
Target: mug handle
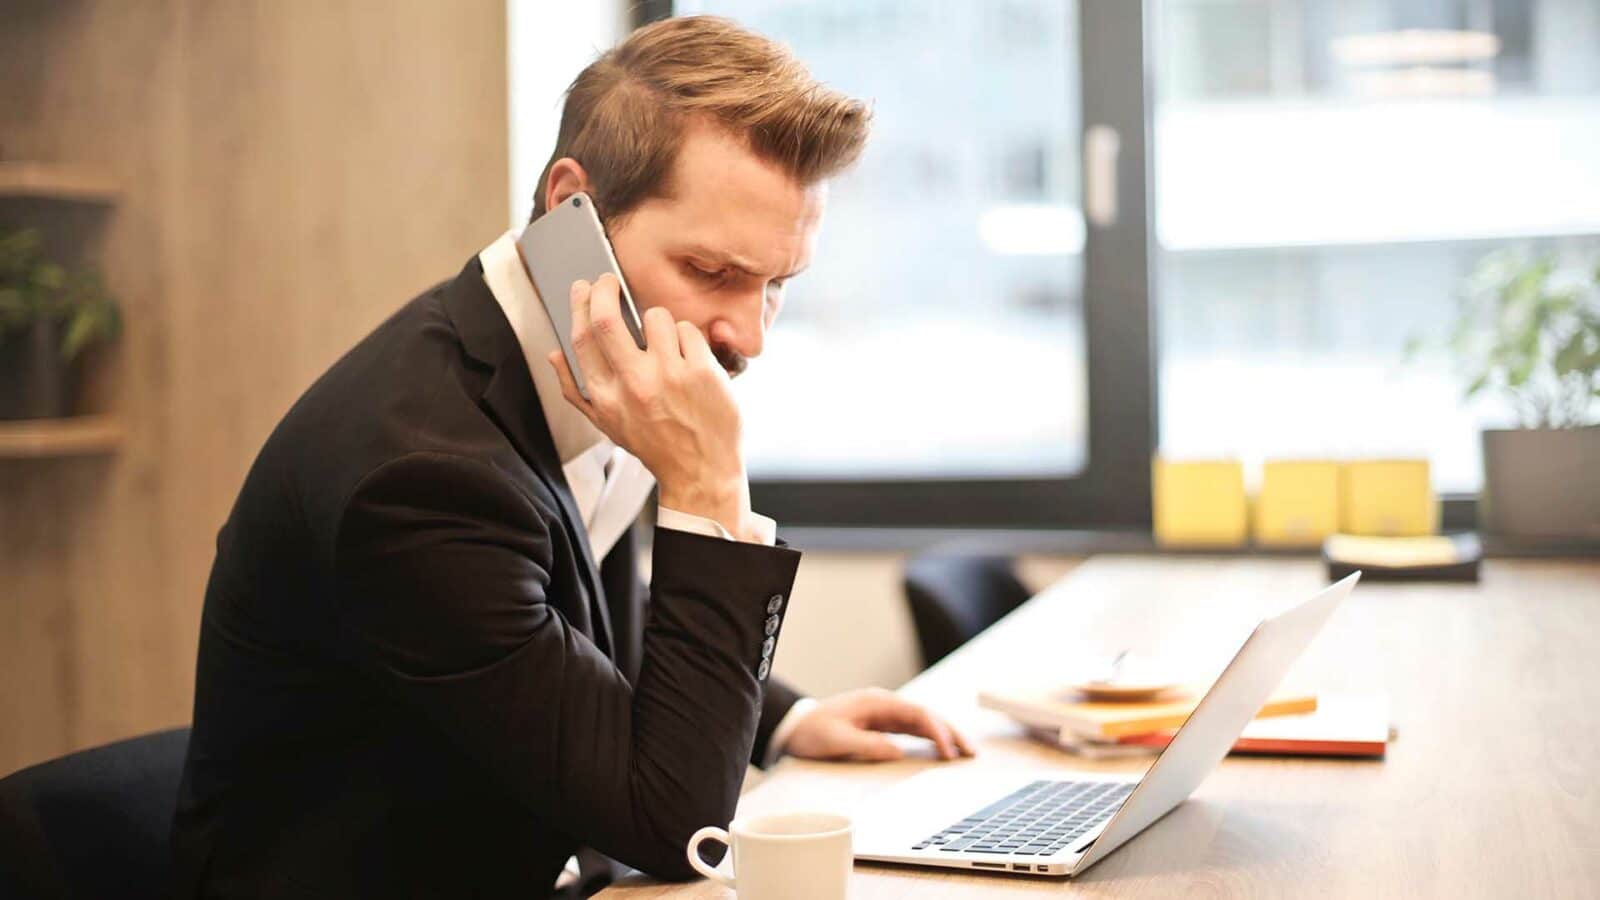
x: 717, y: 834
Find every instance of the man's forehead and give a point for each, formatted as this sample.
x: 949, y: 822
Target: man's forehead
x: 718, y: 182
x: 727, y: 201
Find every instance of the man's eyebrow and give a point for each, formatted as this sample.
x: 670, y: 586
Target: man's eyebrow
x: 723, y: 258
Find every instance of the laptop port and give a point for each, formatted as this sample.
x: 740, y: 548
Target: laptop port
x: 1021, y: 868
x: 984, y: 865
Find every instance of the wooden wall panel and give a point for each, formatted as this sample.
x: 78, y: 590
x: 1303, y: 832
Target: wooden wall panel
x: 295, y: 170
x: 82, y: 83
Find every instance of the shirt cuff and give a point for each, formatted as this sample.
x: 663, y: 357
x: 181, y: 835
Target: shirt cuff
x: 765, y: 528
x: 786, y: 726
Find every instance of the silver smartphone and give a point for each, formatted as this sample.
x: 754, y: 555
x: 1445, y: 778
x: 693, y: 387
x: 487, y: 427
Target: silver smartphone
x: 569, y: 244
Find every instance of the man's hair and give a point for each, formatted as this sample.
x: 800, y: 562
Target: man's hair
x: 625, y: 113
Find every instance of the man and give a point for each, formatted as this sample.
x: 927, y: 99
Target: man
x: 427, y: 665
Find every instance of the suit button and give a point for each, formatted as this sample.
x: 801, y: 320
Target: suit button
x: 766, y: 647
x: 766, y: 667
x: 772, y: 625
x: 774, y: 603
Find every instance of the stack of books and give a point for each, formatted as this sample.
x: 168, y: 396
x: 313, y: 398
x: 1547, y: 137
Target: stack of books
x: 1350, y: 725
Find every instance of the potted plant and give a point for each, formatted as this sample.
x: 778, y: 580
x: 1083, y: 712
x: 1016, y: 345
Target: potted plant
x: 1528, y: 329
x: 49, y: 315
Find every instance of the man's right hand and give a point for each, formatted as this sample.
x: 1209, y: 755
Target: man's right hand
x: 671, y: 404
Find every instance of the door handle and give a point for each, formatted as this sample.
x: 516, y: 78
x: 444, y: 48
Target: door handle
x: 1101, y: 147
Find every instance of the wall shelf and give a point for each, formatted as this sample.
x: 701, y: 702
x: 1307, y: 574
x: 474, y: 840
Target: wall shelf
x: 58, y: 181
x: 46, y: 438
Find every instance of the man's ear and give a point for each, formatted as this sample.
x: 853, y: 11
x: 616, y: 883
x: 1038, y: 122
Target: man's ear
x: 567, y: 177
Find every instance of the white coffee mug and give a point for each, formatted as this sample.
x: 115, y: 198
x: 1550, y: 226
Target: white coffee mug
x: 788, y: 856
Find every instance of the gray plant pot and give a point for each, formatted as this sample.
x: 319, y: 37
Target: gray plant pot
x: 1542, y: 485
x: 35, y: 382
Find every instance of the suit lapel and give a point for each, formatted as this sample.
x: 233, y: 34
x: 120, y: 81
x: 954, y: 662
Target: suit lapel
x: 514, y: 404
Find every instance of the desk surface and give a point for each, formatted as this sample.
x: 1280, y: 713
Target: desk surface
x: 1492, y: 787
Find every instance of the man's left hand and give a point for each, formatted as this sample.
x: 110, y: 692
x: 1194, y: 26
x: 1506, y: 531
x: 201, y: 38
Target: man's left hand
x: 855, y: 726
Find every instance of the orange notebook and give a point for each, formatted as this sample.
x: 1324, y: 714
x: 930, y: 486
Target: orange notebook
x: 1104, y: 721
x: 1342, y: 725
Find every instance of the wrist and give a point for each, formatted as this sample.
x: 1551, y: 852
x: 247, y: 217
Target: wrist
x: 726, y: 502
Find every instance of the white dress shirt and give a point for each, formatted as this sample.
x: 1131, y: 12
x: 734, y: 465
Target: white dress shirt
x: 609, y: 484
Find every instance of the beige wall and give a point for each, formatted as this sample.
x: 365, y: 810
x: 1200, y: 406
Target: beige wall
x: 849, y: 627
x: 294, y: 170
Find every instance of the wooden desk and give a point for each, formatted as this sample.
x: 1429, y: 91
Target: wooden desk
x: 1491, y: 789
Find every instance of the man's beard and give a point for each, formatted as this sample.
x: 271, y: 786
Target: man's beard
x: 732, y: 361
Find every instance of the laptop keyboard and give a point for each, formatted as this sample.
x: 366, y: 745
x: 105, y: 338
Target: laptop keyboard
x: 1038, y: 820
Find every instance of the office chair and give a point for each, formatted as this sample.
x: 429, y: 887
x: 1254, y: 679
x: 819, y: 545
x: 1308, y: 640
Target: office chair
x: 952, y: 598
x: 93, y: 824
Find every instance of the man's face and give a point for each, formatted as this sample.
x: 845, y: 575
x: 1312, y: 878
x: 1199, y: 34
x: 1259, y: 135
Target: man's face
x: 718, y: 252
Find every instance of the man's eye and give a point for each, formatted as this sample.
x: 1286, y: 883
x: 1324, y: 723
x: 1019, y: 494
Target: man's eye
x: 707, y: 274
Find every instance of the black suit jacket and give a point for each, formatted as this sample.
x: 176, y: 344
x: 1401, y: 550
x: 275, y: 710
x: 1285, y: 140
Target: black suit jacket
x: 414, y: 680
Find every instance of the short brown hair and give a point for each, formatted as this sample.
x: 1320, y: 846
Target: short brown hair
x: 625, y: 113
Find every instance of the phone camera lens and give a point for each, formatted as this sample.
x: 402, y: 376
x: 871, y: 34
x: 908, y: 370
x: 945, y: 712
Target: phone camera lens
x: 576, y: 202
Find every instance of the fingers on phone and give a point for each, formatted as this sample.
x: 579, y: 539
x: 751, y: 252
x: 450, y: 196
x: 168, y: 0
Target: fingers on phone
x: 585, y: 338
x: 605, y: 318
x: 579, y: 299
x: 579, y: 302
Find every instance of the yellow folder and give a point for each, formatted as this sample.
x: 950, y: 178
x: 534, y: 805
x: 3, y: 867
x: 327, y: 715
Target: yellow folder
x: 1200, y: 503
x: 1388, y: 498
x: 1299, y: 503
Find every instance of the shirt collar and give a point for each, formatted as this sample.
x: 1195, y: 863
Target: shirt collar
x: 508, y: 281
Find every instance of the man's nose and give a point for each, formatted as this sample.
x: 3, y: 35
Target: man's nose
x: 744, y: 327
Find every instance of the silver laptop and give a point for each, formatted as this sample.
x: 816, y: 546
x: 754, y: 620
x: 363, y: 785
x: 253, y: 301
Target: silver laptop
x: 1055, y: 822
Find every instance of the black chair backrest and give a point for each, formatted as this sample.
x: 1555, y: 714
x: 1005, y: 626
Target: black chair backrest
x: 93, y: 824
x: 952, y: 598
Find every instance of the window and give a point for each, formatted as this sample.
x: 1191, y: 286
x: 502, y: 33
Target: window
x: 1326, y: 175
x: 1322, y: 178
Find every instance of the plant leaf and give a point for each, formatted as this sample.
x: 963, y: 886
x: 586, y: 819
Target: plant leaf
x: 1525, y: 355
x: 48, y: 277
x: 34, y: 288
x: 80, y: 332
x: 1572, y: 355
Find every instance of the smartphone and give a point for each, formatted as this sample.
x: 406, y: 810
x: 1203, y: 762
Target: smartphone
x: 569, y: 244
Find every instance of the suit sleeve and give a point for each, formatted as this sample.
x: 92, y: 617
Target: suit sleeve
x: 776, y: 701
x: 445, y: 575
x: 621, y: 576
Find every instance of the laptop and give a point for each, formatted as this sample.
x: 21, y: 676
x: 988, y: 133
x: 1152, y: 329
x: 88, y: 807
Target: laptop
x: 1055, y: 822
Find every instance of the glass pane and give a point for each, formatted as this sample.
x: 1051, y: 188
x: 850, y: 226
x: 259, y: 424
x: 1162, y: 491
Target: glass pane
x: 939, y: 329
x: 1327, y: 175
